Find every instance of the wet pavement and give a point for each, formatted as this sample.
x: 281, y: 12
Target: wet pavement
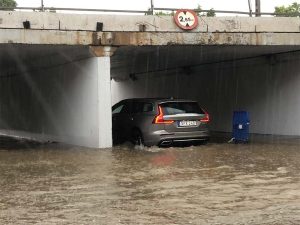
x: 217, y: 183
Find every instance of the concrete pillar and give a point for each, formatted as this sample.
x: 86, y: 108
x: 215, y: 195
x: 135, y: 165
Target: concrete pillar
x: 104, y: 102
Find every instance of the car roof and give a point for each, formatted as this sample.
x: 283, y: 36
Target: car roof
x: 159, y: 100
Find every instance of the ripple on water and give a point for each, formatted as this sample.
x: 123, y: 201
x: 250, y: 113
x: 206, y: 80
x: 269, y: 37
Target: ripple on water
x: 209, y: 184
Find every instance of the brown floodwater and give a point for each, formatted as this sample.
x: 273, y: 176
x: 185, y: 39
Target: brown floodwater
x: 217, y: 183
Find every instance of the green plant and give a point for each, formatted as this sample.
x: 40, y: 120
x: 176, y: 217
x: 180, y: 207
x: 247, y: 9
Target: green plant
x: 8, y: 3
x: 292, y: 10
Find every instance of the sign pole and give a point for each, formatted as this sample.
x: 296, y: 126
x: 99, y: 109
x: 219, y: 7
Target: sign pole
x: 250, y: 8
x: 152, y: 7
x: 257, y: 8
x: 42, y: 6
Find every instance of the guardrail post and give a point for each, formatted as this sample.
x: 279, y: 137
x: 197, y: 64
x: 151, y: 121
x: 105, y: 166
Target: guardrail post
x: 257, y: 8
x: 152, y: 7
x: 250, y: 8
x: 42, y: 6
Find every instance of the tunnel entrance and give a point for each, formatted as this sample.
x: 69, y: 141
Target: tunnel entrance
x: 52, y: 92
x: 263, y: 80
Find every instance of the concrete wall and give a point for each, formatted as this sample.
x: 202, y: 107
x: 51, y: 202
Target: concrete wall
x: 123, y: 30
x: 267, y: 87
x: 87, y: 22
x: 59, y: 103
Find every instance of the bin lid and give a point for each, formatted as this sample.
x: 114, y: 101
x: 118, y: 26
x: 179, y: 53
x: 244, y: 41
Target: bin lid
x: 240, y: 117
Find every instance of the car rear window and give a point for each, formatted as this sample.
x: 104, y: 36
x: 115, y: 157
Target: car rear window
x: 172, y: 108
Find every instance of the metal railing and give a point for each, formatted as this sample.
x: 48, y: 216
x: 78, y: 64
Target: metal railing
x: 223, y: 11
x: 42, y: 9
x: 150, y: 11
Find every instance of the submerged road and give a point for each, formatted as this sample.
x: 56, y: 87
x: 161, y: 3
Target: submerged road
x: 218, y: 183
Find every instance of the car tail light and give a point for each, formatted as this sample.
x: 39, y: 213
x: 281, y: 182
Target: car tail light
x: 159, y: 119
x: 205, y: 119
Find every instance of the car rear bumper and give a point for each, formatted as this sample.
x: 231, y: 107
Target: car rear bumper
x: 164, y: 138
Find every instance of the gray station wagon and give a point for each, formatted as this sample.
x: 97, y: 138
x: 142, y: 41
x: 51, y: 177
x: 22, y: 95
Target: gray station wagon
x: 161, y: 122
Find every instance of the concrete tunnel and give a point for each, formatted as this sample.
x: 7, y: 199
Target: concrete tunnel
x: 60, y: 93
x: 263, y: 80
x: 52, y: 93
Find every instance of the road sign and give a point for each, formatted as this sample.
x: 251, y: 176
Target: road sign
x: 186, y: 19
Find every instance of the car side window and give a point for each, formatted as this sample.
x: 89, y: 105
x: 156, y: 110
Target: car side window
x: 118, y: 109
x: 141, y: 107
x: 126, y: 108
x: 137, y: 107
x: 147, y: 107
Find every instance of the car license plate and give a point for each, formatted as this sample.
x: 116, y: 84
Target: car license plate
x: 187, y: 123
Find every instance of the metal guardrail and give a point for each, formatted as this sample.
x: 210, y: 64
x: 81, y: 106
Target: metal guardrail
x: 200, y: 11
x: 151, y: 11
x: 72, y: 9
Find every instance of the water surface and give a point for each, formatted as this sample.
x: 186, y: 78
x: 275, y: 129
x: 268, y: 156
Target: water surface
x: 217, y: 183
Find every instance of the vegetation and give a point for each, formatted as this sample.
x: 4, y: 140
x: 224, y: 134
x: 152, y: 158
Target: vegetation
x: 292, y: 10
x: 52, y: 10
x: 164, y: 13
x: 8, y: 3
x: 210, y: 13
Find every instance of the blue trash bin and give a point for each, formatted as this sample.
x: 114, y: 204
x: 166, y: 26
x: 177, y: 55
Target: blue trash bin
x: 240, y: 126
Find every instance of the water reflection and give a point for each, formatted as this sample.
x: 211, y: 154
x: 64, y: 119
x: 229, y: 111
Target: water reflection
x: 211, y: 184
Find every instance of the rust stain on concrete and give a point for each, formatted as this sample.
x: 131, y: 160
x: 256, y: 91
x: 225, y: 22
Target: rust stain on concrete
x: 96, y: 40
x: 100, y: 51
x: 144, y: 38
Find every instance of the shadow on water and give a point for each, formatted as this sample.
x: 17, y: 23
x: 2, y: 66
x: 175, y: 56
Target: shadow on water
x: 10, y: 143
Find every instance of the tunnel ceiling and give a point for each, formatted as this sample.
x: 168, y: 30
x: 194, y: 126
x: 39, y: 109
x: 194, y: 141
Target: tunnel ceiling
x: 15, y: 58
x: 141, y: 60
x: 129, y: 60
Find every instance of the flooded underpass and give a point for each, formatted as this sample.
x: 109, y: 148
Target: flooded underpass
x: 58, y: 83
x: 217, y: 183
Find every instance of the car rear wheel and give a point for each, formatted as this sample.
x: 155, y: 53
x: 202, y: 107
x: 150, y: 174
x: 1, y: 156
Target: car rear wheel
x: 137, y: 137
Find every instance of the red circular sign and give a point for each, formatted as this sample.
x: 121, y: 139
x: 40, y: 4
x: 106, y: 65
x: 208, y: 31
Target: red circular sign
x: 186, y: 19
